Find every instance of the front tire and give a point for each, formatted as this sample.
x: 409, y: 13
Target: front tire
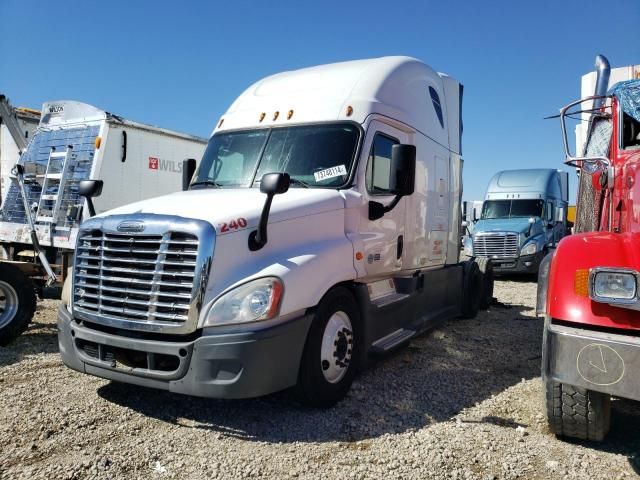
x: 473, y: 290
x: 486, y: 269
x: 577, y: 412
x: 330, y: 358
x: 17, y: 302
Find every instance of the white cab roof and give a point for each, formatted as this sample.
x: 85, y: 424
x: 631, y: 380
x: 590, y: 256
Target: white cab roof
x: 397, y: 87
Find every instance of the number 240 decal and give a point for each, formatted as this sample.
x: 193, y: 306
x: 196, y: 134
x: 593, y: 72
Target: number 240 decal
x: 233, y: 225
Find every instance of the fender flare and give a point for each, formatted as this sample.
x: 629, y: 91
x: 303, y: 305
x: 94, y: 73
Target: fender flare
x: 543, y: 283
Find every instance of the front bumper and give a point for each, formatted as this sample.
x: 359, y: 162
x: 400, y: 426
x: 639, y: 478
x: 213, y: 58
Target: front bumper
x: 523, y: 264
x: 603, y: 362
x: 231, y: 365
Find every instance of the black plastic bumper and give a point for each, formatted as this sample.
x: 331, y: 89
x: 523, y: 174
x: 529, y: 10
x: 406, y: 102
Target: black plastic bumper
x: 523, y: 264
x: 234, y: 365
x: 603, y: 362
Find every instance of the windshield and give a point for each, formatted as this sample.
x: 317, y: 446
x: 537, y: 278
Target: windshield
x: 511, y: 209
x: 313, y: 155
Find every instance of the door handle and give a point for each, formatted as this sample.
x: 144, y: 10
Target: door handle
x: 399, y: 247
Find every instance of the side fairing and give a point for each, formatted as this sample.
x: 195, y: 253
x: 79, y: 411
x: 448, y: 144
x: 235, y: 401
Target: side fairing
x: 583, y: 252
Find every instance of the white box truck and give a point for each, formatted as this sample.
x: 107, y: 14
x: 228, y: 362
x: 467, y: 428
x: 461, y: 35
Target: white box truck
x: 321, y: 226
x: 43, y: 205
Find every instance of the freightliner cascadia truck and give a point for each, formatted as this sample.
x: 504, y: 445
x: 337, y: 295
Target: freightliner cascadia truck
x: 321, y: 226
x: 74, y: 148
x: 524, y: 214
x: 588, y: 289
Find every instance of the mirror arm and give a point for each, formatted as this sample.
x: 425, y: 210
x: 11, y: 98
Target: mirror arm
x: 92, y: 210
x: 377, y: 209
x: 258, y: 238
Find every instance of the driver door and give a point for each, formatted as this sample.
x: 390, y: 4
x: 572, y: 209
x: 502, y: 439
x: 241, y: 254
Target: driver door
x: 383, y: 239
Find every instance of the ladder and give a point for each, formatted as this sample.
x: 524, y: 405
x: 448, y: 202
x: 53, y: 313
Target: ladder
x: 51, y: 178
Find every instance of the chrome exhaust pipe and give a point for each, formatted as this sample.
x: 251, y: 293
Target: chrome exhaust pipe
x: 603, y: 72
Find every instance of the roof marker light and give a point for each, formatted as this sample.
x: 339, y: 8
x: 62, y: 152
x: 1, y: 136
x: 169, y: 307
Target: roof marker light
x: 221, y: 122
x: 262, y: 115
x: 290, y: 114
x: 98, y: 142
x: 275, y: 116
x: 349, y: 111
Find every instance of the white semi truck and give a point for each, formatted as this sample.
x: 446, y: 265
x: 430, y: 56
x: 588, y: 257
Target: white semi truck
x: 322, y: 226
x: 43, y: 200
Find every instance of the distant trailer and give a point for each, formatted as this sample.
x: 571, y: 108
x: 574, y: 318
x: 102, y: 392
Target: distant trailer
x: 77, y: 152
x: 17, y: 126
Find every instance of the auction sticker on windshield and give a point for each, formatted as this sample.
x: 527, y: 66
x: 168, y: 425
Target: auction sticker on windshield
x: 332, y: 172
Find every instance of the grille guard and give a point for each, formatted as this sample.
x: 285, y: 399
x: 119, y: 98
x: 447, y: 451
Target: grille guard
x: 152, y: 224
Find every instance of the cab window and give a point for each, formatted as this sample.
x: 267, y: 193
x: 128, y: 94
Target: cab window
x: 379, y: 164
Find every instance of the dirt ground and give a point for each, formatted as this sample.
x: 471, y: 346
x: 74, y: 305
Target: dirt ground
x: 464, y: 401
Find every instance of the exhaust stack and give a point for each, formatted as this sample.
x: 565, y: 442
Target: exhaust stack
x: 603, y: 71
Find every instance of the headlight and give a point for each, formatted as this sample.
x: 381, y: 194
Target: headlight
x: 613, y: 285
x: 468, y: 247
x: 253, y: 301
x: 529, y: 249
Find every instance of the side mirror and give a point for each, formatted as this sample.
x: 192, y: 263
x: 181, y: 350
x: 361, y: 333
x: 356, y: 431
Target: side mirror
x: 271, y: 184
x: 474, y: 216
x: 188, y: 169
x: 402, y: 175
x: 402, y: 179
x: 275, y: 183
x: 90, y: 189
x: 531, y: 222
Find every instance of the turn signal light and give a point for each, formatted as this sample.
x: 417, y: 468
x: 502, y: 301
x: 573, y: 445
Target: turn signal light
x: 98, y: 142
x: 581, y: 282
x: 359, y: 256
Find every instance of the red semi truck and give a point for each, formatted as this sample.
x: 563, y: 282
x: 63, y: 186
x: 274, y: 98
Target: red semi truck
x: 588, y: 288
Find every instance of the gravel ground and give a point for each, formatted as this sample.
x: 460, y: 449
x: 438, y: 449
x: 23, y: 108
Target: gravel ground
x: 462, y: 402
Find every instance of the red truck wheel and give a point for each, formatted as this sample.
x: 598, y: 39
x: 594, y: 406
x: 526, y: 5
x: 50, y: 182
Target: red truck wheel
x: 577, y: 412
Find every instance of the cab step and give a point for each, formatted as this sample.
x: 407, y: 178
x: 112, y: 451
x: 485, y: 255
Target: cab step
x: 391, y: 341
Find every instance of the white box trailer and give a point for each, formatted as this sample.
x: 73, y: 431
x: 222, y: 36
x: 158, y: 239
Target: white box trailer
x: 354, y: 171
x: 76, y: 142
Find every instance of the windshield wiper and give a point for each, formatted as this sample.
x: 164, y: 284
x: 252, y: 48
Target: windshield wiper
x: 297, y: 181
x: 206, y: 182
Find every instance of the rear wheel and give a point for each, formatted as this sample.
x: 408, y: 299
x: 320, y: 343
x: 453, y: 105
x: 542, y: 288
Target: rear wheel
x: 17, y: 302
x: 472, y: 290
x: 577, y: 412
x: 486, y: 269
x: 329, y: 361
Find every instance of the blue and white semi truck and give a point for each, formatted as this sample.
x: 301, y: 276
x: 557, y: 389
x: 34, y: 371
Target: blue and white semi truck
x: 523, y: 215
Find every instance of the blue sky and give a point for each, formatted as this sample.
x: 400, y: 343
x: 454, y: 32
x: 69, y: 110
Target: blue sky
x: 179, y: 65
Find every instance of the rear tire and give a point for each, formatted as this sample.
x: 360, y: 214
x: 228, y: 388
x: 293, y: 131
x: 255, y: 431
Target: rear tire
x: 17, y: 302
x: 472, y: 290
x: 577, y: 412
x: 486, y: 269
x: 330, y: 358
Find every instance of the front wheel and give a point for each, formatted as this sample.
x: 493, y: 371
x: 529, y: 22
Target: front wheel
x: 330, y: 357
x: 577, y: 412
x: 17, y: 302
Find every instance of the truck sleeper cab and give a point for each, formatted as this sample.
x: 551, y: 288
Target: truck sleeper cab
x: 523, y: 215
x: 321, y: 226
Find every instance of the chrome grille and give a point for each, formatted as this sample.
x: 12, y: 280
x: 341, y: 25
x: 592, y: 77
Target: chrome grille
x: 496, y: 245
x: 139, y: 278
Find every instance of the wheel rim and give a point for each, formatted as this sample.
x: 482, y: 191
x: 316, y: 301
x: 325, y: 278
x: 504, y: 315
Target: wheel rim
x: 8, y: 303
x: 337, y: 347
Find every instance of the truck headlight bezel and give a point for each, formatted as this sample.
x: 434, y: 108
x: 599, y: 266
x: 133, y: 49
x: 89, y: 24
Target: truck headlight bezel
x: 253, y: 301
x: 604, y: 281
x: 529, y: 249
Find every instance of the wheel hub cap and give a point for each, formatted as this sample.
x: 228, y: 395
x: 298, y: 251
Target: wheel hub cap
x: 8, y: 303
x: 337, y: 347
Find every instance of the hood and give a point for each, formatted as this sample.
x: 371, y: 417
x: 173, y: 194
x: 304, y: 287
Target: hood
x: 220, y: 206
x: 518, y: 225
